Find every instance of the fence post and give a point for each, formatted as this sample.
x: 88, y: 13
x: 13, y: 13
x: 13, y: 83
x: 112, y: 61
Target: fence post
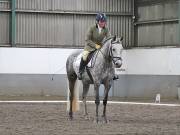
x: 179, y: 21
x: 13, y: 23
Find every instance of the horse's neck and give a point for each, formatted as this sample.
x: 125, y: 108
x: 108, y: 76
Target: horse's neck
x: 102, y: 63
x: 105, y: 50
x: 103, y: 56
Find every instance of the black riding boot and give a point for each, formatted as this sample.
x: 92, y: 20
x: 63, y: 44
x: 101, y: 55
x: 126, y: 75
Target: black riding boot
x: 116, y: 77
x: 81, y: 68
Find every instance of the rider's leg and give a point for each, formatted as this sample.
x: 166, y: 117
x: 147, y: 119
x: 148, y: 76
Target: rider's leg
x: 116, y: 77
x: 81, y: 68
x: 83, y: 63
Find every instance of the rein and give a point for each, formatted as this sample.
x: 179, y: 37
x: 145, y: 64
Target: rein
x: 110, y: 53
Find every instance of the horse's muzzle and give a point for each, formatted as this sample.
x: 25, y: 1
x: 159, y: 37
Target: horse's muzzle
x: 118, y: 64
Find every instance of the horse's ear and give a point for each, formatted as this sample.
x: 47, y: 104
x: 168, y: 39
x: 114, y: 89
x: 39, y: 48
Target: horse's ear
x: 121, y: 38
x: 114, y: 38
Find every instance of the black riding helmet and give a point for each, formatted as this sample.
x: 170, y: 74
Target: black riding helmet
x: 101, y: 17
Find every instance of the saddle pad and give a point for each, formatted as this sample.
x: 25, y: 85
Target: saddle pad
x: 77, y: 61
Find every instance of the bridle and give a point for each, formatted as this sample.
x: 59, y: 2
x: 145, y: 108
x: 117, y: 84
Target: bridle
x: 113, y: 58
x: 110, y: 56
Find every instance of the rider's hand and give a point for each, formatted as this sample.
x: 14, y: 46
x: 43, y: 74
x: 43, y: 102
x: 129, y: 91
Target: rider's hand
x: 98, y: 46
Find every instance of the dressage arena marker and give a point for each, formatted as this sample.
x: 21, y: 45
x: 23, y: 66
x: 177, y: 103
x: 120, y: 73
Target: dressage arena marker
x: 109, y: 102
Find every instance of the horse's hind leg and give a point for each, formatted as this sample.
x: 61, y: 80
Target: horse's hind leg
x: 84, y: 95
x: 72, y: 82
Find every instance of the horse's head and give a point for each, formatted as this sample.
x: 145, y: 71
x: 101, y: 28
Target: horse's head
x: 115, y: 51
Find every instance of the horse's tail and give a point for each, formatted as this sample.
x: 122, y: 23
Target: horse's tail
x: 75, y: 102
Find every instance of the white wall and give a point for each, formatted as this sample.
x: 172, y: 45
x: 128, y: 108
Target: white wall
x: 33, y: 60
x: 158, y: 61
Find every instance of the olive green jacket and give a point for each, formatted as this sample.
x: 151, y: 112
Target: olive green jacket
x: 93, y: 37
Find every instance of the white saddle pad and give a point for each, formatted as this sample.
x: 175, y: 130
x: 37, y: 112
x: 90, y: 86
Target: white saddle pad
x: 77, y: 61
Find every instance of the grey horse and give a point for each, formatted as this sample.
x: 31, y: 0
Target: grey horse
x: 102, y: 71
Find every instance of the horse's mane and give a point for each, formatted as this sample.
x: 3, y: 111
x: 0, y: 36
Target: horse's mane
x: 107, y: 39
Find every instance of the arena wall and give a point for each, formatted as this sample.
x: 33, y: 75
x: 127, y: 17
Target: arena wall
x: 145, y: 72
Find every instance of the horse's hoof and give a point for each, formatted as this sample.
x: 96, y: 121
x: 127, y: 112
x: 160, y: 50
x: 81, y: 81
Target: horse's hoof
x: 86, y: 117
x: 70, y: 118
x: 104, y: 119
x: 96, y: 120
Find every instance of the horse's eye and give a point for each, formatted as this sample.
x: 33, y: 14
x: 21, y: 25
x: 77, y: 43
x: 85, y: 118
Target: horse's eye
x: 113, y: 49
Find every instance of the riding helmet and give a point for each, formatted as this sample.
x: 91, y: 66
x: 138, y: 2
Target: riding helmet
x: 101, y: 17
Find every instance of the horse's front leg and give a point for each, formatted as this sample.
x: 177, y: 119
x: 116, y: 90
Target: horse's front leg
x: 97, y: 100
x: 84, y: 95
x: 107, y: 86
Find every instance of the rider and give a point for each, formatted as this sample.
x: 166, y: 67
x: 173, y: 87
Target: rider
x: 94, y: 39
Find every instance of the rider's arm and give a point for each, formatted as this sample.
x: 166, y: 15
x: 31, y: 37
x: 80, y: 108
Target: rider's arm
x: 89, y: 38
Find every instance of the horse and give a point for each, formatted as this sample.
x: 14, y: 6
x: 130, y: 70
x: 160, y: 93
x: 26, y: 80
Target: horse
x: 102, y: 71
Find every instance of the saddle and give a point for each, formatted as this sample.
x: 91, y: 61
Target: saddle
x: 89, y: 58
x: 89, y: 64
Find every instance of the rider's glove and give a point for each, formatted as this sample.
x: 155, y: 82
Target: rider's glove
x: 98, y: 46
